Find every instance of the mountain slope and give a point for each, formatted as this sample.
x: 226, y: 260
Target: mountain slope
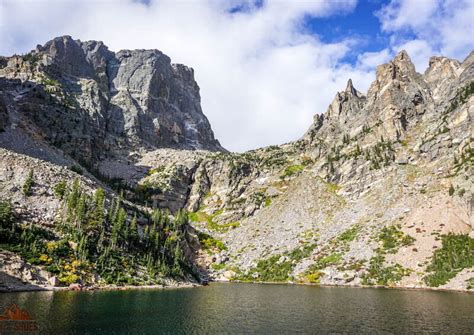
x: 377, y: 192
x: 367, y: 196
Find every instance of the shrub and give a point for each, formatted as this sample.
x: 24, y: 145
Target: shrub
x: 470, y: 283
x: 456, y: 253
x: 272, y: 270
x: 378, y: 274
x: 76, y: 168
x: 392, y: 238
x: 451, y: 190
x: 69, y: 278
x: 209, y: 243
x: 312, y: 277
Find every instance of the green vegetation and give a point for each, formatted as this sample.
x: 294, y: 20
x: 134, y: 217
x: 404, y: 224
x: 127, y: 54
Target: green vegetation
x: 451, y: 190
x: 60, y: 189
x: 378, y: 274
x: 95, y: 238
x: 346, y: 139
x: 260, y: 198
x: 366, y: 129
x: 277, y: 268
x: 268, y: 202
x: 465, y: 160
x: 218, y: 267
x: 462, y: 95
x: 161, y: 178
x: 381, y: 154
x: 76, y: 168
x: 6, y: 214
x: 210, y: 243
x: 349, y: 235
x: 50, y: 82
x: 28, y: 184
x: 392, y: 238
x: 292, y: 170
x: 456, y: 253
x: 313, y: 273
x: 331, y: 187
x: 32, y: 58
x: 470, y: 283
x: 325, y: 261
x: 201, y: 216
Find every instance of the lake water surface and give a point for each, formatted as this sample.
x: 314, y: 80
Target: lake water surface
x: 248, y: 308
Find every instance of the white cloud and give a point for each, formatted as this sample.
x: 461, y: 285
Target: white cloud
x: 439, y: 27
x: 262, y: 79
x: 370, y: 60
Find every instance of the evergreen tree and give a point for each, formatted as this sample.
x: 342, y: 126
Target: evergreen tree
x: 134, y: 237
x: 98, y: 215
x: 26, y: 189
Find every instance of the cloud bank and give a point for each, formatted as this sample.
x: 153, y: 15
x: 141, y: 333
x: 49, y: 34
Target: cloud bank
x: 262, y: 74
x: 430, y: 27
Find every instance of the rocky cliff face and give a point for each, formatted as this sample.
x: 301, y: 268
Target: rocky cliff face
x: 377, y: 192
x: 367, y: 196
x: 92, y: 103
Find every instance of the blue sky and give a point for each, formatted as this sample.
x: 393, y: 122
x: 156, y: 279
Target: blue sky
x: 361, y: 23
x: 265, y: 67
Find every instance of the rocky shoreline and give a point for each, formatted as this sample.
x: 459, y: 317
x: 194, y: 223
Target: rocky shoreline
x: 16, y: 275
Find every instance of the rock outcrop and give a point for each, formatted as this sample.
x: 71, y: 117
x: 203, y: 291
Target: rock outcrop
x: 93, y: 103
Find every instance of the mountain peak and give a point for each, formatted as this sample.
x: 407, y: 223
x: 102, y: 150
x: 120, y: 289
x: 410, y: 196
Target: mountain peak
x: 350, y: 88
x: 404, y: 64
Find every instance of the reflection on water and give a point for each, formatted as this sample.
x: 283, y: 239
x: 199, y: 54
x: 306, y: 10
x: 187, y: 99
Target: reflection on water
x: 249, y: 308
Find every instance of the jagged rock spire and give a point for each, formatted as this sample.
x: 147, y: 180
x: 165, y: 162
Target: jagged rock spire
x: 404, y: 65
x: 350, y: 88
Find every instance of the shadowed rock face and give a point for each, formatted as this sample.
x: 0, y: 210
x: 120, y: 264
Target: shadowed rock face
x: 92, y: 102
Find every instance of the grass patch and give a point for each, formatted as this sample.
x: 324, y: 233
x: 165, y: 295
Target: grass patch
x: 333, y: 188
x: 325, y: 261
x: 456, y: 253
x: 349, y: 235
x: 268, y: 202
x: 201, y: 216
x: 218, y: 267
x: 292, y: 170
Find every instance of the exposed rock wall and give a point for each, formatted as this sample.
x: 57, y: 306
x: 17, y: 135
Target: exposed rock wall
x: 93, y: 103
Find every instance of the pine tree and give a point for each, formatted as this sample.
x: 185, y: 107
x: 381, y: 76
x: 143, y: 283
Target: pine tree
x: 26, y: 189
x: 81, y: 210
x: 73, y: 199
x: 134, y: 237
x: 98, y: 215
